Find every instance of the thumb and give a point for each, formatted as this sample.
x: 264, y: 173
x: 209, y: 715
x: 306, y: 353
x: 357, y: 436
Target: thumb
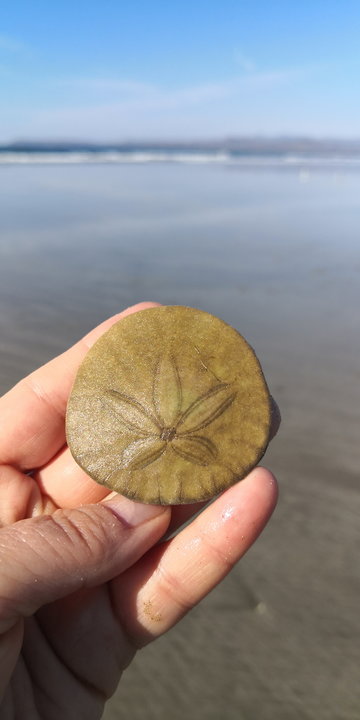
x: 45, y: 558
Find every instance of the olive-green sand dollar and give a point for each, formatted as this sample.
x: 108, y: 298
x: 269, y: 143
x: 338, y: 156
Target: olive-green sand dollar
x: 169, y: 406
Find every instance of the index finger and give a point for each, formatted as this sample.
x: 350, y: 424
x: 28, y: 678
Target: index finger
x: 32, y: 427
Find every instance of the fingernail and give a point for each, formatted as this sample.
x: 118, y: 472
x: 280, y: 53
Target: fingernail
x: 132, y: 513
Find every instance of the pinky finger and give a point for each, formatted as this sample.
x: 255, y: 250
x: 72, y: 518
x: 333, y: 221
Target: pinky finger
x: 173, y: 577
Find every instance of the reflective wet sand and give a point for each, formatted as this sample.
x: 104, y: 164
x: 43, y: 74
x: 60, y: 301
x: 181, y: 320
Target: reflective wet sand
x: 277, y: 255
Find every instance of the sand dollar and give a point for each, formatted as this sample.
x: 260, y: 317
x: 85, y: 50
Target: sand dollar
x: 169, y: 406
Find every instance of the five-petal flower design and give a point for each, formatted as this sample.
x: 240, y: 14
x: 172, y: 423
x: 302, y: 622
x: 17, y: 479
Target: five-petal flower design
x: 167, y: 426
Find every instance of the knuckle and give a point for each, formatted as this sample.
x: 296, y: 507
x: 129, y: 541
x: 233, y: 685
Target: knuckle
x: 173, y: 589
x: 82, y: 530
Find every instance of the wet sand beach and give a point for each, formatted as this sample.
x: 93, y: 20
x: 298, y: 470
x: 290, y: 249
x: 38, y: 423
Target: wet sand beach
x: 277, y: 255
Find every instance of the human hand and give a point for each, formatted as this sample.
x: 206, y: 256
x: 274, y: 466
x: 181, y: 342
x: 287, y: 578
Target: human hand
x: 84, y: 580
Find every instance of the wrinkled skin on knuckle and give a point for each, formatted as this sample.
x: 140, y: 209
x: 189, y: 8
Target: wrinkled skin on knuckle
x: 89, y: 532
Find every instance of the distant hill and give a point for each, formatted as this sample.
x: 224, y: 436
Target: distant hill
x: 235, y: 145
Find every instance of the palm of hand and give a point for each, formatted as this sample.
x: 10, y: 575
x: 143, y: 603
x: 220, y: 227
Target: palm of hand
x: 89, y: 586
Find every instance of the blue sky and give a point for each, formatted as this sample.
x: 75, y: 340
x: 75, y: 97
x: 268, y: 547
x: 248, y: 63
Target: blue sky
x: 116, y: 69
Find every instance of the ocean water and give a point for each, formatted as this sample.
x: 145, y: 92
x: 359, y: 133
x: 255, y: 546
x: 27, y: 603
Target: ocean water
x: 273, y: 249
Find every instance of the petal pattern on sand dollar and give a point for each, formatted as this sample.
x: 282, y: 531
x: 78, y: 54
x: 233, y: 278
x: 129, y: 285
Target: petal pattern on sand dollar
x: 196, y: 449
x: 167, y: 391
x: 141, y: 453
x: 205, y: 409
x: 133, y: 414
x: 161, y: 427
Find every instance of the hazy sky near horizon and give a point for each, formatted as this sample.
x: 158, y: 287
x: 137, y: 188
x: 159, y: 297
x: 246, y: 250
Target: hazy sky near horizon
x: 196, y: 69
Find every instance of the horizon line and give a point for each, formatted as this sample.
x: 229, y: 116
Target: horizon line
x: 215, y: 140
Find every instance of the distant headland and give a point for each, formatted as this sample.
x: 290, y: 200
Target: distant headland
x: 233, y: 145
x: 241, y: 152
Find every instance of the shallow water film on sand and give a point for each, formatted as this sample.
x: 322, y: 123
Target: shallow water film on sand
x: 275, y: 252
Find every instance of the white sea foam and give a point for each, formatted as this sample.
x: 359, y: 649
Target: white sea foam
x: 109, y: 157
x: 79, y: 157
